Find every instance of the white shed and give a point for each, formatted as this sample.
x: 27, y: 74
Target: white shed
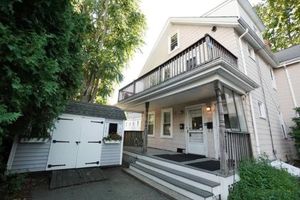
x: 77, y: 141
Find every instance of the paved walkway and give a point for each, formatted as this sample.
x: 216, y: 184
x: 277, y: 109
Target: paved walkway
x: 118, y: 186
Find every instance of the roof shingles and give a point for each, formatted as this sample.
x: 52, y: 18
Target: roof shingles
x: 95, y: 110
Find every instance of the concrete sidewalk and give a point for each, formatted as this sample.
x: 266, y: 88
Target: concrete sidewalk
x: 118, y: 186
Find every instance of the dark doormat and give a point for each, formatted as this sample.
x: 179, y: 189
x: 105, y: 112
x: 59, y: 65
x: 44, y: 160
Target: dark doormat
x: 180, y: 157
x: 211, y: 165
x: 69, y: 177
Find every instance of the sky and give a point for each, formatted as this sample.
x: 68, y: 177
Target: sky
x: 157, y: 12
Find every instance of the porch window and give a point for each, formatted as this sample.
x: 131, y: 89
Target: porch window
x: 233, y: 111
x: 151, y: 123
x: 166, y: 119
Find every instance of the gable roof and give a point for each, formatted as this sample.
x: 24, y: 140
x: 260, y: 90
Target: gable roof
x: 288, y: 54
x: 229, y: 21
x: 94, y: 110
x: 247, y: 7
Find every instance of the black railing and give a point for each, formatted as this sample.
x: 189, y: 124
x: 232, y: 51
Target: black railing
x: 201, y: 52
x: 238, y: 148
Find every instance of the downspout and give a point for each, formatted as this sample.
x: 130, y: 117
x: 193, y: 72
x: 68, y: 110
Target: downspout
x: 249, y: 94
x: 290, y: 85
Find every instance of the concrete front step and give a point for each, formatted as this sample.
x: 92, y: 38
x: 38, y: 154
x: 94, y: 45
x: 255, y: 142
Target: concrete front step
x: 184, y: 177
x: 163, y: 189
x: 173, y: 184
x: 213, y: 176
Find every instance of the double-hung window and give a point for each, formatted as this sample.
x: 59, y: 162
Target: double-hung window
x: 166, y: 122
x: 173, y: 42
x: 151, y: 123
x: 262, y: 110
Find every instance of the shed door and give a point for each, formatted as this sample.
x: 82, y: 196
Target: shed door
x: 63, y: 150
x: 89, y: 149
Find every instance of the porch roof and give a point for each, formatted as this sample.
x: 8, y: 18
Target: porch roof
x: 193, y: 85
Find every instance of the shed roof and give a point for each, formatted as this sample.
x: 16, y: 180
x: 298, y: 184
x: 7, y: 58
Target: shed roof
x: 94, y: 110
x: 288, y: 54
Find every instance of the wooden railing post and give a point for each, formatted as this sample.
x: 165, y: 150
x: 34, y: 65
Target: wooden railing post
x: 145, y: 138
x: 222, y: 141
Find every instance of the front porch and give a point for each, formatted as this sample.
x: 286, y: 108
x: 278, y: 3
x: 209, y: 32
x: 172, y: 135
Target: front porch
x: 192, y: 161
x: 193, y: 103
x: 177, y: 179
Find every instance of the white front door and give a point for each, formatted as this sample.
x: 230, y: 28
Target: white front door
x: 90, y: 146
x: 196, y: 134
x: 63, y: 150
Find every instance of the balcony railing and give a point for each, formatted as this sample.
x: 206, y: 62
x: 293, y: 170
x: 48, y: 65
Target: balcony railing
x: 198, y: 54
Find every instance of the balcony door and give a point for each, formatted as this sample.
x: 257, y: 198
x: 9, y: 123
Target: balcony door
x: 196, y: 133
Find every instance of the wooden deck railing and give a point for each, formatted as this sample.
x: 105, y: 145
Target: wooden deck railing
x: 201, y: 52
x: 238, y: 148
x: 133, y: 138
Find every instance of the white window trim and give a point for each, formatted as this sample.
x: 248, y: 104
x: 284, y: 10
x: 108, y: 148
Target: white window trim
x: 262, y: 110
x: 169, y: 42
x: 162, y: 123
x: 152, y: 113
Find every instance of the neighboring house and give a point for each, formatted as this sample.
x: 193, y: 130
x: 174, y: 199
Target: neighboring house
x: 76, y: 142
x: 133, y: 121
x: 287, y: 76
x: 208, y: 88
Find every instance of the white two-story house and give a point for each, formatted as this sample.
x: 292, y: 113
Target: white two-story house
x: 208, y: 88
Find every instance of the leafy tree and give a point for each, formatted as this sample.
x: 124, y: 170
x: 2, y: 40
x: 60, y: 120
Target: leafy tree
x: 296, y: 131
x: 41, y: 62
x: 115, y: 32
x: 282, y: 21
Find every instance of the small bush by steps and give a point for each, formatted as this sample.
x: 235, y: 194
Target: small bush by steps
x: 260, y: 181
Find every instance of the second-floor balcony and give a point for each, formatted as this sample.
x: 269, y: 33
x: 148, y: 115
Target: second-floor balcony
x: 197, y: 55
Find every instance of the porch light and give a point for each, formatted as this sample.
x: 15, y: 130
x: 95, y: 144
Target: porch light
x: 208, y: 108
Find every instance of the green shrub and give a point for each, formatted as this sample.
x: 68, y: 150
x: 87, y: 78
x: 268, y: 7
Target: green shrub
x: 296, y: 130
x: 260, y: 181
x: 11, y: 186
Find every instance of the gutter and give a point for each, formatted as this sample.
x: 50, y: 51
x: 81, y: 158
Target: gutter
x: 249, y: 94
x: 267, y: 54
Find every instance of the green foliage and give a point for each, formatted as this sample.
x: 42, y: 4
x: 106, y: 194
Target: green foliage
x: 11, y: 186
x: 296, y: 131
x: 261, y: 181
x: 114, y: 136
x: 115, y: 32
x: 282, y: 21
x: 41, y: 60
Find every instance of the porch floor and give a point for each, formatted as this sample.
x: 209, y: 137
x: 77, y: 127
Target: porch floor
x: 209, y: 165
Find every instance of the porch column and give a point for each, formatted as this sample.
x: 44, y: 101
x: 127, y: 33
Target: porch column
x: 145, y: 137
x: 222, y: 142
